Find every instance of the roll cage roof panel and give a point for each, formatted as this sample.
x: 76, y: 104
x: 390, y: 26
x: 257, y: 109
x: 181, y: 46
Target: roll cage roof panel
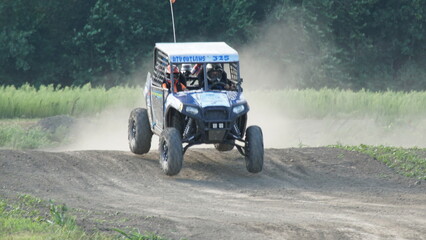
x: 198, y: 52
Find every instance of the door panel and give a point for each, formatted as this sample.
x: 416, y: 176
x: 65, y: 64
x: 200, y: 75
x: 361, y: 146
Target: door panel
x: 157, y: 100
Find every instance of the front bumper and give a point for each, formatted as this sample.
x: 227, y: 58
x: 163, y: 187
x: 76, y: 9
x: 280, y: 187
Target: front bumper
x: 215, y: 125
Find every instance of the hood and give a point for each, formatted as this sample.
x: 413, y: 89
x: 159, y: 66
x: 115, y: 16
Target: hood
x: 211, y: 98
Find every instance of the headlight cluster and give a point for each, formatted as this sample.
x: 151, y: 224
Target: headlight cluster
x: 238, y: 109
x: 192, y: 110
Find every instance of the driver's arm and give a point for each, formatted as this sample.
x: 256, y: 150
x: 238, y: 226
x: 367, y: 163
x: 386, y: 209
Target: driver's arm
x: 226, y: 81
x: 182, y: 80
x: 166, y: 86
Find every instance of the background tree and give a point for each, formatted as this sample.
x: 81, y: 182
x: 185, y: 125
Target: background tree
x: 373, y: 44
x: 36, y: 40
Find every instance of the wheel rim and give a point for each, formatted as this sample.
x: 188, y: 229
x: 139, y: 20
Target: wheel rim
x: 133, y: 129
x: 165, y: 152
x: 132, y: 134
x: 247, y: 147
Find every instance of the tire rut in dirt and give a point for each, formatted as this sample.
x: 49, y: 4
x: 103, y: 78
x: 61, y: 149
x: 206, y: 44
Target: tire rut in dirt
x: 214, y: 197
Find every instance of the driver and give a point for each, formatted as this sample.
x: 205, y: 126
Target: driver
x: 217, y: 77
x: 178, y: 85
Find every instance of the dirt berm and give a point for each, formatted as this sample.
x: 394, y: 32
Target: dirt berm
x: 302, y: 193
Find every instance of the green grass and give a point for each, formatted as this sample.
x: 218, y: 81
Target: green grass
x: 17, y: 137
x: 23, y: 218
x: 384, y: 106
x: 25, y: 134
x: 390, y: 109
x: 409, y: 162
x: 390, y: 106
x: 27, y: 217
x: 29, y: 102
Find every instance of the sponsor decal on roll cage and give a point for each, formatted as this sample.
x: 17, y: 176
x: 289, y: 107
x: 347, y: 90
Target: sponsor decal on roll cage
x: 204, y: 58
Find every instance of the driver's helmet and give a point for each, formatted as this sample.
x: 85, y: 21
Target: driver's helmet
x: 169, y: 70
x: 214, y: 72
x: 186, y: 69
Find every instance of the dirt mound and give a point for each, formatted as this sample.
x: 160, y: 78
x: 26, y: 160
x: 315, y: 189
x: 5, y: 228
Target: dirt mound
x: 303, y: 193
x: 52, y: 124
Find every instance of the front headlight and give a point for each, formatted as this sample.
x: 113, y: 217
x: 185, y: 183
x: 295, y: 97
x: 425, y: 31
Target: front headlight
x: 191, y: 110
x: 238, y: 109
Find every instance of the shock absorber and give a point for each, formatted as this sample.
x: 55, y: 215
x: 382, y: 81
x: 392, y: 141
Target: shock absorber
x: 188, y: 127
x: 236, y: 130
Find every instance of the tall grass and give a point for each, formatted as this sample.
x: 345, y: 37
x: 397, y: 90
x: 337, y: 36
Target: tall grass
x: 322, y: 103
x: 30, y: 102
x: 16, y: 137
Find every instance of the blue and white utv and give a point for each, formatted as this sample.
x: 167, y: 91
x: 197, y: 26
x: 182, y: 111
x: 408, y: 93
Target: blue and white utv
x: 205, y: 113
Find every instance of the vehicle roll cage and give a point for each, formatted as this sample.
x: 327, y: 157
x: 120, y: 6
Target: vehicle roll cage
x: 162, y: 60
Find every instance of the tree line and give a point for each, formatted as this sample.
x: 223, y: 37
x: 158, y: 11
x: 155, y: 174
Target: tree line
x: 371, y: 44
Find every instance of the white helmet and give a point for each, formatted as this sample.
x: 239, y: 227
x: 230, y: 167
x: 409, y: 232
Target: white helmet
x: 186, y: 68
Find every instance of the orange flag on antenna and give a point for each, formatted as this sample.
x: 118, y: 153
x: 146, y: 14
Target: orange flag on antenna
x: 173, y: 1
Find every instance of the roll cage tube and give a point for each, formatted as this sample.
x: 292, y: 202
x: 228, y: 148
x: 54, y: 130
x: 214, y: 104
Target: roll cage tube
x: 172, y: 79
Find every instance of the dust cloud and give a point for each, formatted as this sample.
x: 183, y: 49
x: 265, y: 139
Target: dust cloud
x: 259, y: 68
x: 280, y: 131
x: 260, y: 60
x: 106, y: 131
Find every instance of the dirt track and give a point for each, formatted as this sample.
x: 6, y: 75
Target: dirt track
x: 303, y: 193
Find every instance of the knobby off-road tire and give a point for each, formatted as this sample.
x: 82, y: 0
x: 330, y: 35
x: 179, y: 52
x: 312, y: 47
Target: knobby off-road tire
x: 139, y: 132
x: 223, y: 147
x: 254, y: 149
x: 171, y: 151
x: 178, y: 122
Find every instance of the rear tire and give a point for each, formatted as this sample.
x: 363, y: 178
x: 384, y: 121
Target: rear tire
x: 171, y: 151
x: 254, y: 149
x: 223, y: 147
x: 139, y: 131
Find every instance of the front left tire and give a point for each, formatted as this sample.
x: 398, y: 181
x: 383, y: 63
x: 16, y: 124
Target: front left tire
x: 254, y: 150
x: 171, y: 151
